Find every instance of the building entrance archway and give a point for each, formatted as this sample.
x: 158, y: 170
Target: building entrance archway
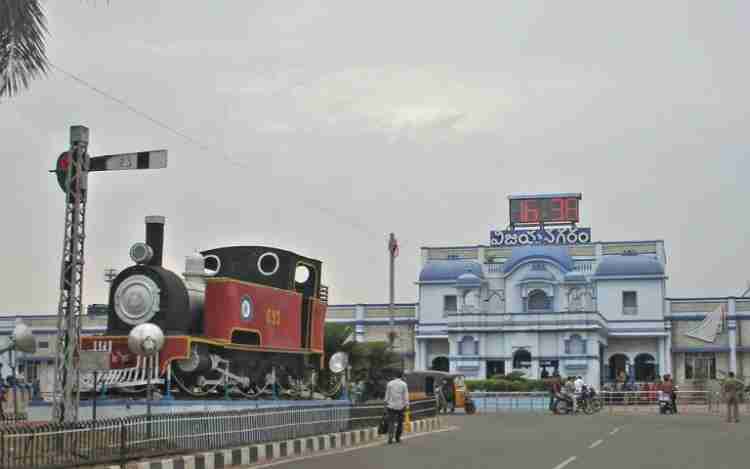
x: 618, y: 366
x: 441, y: 364
x: 646, y: 368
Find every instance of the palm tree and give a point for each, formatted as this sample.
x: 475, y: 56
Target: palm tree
x: 22, y: 49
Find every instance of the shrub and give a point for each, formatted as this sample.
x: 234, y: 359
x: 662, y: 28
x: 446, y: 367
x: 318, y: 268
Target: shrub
x: 515, y: 376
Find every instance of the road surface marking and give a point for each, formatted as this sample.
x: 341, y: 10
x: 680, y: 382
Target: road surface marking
x: 614, y: 431
x: 565, y: 463
x: 346, y: 450
x: 596, y: 443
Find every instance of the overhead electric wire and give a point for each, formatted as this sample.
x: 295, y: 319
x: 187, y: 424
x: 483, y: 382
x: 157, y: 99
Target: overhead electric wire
x: 331, y: 213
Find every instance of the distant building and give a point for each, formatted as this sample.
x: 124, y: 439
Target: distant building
x: 41, y: 365
x: 371, y: 322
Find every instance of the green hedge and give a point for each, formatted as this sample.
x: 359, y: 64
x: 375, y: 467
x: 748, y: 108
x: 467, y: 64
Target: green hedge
x: 505, y: 385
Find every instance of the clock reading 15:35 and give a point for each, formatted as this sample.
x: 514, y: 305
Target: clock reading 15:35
x: 540, y: 210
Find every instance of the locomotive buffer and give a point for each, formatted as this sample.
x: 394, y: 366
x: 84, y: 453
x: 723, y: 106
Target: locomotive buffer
x: 72, y: 171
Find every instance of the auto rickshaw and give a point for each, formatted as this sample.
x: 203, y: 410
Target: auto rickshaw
x: 423, y: 384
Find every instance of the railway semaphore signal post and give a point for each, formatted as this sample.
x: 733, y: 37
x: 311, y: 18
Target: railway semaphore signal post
x: 72, y: 170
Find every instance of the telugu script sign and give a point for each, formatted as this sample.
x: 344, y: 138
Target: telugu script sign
x: 540, y: 236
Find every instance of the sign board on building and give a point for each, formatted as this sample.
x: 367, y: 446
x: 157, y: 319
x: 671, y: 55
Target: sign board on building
x: 534, y: 209
x: 94, y: 361
x: 567, y: 235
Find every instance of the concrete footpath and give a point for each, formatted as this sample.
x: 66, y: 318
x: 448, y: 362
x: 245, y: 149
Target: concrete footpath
x: 278, y: 451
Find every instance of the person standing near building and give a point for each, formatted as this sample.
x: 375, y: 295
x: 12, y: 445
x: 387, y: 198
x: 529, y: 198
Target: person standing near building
x: 732, y: 387
x: 569, y: 392
x: 2, y: 399
x: 396, y: 402
x: 555, y: 390
x: 440, y: 397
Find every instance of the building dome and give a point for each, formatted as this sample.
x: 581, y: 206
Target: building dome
x: 556, y: 254
x: 468, y: 280
x: 448, y: 270
x: 629, y: 265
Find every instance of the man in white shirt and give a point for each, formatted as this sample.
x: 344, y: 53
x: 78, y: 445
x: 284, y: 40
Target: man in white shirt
x: 579, y: 391
x: 579, y: 385
x: 396, y: 401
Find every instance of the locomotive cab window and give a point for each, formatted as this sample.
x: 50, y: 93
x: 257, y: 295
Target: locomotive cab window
x: 268, y: 263
x: 211, y: 265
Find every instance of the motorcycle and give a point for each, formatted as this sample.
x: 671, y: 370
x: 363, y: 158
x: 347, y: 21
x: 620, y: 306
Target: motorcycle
x: 588, y: 403
x: 666, y: 405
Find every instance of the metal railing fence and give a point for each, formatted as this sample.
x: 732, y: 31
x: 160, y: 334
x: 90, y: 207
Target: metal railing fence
x: 51, y: 446
x: 490, y: 401
x: 688, y: 402
x: 640, y: 402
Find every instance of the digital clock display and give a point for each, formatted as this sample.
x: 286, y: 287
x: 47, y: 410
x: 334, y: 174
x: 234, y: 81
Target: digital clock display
x: 544, y: 209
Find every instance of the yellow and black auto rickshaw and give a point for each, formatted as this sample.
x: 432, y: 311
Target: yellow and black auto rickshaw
x: 424, y: 384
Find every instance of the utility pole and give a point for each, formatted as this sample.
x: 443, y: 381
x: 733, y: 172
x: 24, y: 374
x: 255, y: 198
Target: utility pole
x: 72, y: 169
x: 393, y: 252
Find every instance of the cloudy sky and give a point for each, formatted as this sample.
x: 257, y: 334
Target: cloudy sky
x: 320, y: 126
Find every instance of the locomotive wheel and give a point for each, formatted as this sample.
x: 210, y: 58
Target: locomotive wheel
x: 188, y: 383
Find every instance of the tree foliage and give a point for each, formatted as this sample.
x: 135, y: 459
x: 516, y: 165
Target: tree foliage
x: 370, y: 362
x: 22, y: 48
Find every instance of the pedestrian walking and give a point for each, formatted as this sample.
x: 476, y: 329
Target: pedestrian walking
x: 732, y: 387
x: 555, y: 389
x: 396, y: 402
x: 2, y: 400
x: 442, y: 406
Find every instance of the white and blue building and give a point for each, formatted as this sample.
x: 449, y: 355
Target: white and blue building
x: 597, y: 310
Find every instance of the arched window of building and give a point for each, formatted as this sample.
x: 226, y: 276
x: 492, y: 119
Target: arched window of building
x: 468, y: 346
x: 521, y: 359
x: 575, y: 345
x: 440, y: 364
x: 539, y: 301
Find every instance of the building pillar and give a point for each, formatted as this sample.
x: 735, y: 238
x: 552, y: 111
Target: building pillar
x: 661, y: 357
x: 420, y: 361
x: 359, y: 326
x: 668, y: 352
x: 732, y: 326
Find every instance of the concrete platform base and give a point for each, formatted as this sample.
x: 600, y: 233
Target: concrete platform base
x: 267, y: 452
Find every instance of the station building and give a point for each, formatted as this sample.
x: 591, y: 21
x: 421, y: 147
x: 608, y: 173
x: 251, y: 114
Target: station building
x: 542, y: 301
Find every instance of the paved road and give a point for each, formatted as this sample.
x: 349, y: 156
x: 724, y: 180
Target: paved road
x: 521, y: 441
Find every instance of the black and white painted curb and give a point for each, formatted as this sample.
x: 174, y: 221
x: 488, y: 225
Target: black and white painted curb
x: 266, y: 452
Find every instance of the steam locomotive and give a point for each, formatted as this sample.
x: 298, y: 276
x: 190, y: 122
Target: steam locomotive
x: 245, y: 318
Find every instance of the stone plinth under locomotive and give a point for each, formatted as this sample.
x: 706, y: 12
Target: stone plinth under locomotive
x: 237, y: 319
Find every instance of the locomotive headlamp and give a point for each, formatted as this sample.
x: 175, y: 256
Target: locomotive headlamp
x: 141, y: 253
x: 146, y: 339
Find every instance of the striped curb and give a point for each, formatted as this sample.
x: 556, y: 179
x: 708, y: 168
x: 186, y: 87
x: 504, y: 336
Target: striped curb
x: 267, y: 452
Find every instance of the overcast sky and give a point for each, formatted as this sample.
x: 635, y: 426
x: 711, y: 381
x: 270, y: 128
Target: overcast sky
x: 320, y: 126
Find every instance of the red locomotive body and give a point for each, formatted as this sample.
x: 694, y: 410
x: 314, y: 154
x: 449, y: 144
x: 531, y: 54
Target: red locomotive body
x: 273, y: 321
x: 242, y: 318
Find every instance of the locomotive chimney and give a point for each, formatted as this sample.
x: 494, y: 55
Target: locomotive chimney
x: 155, y: 238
